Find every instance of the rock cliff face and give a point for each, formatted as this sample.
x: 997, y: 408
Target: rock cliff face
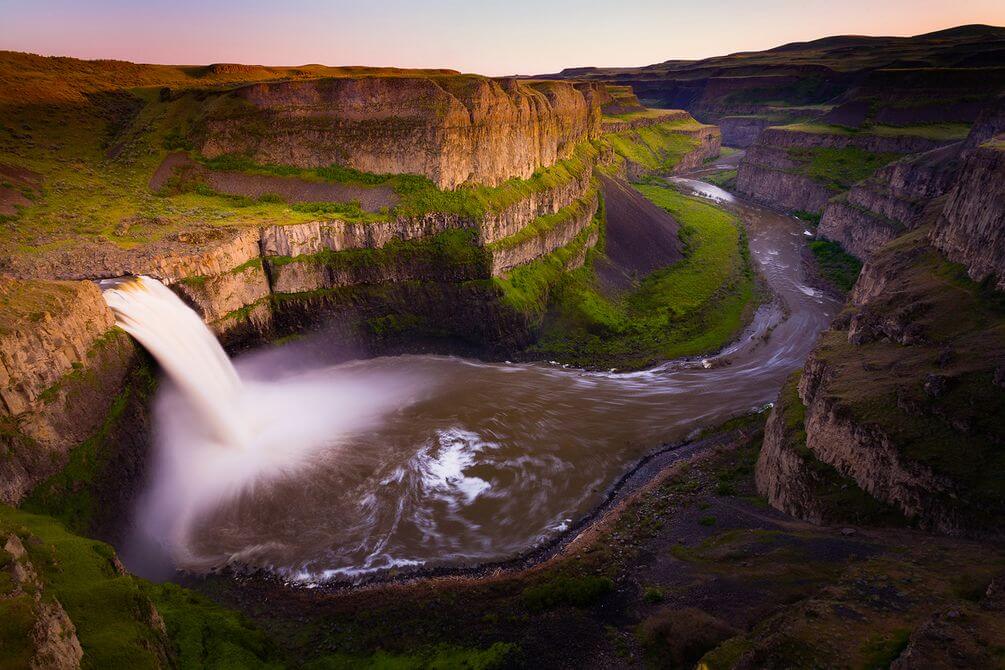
x: 452, y: 129
x: 971, y: 229
x: 890, y: 202
x: 51, y: 631
x: 902, y: 396
x: 551, y: 233
x: 61, y: 365
x: 777, y: 169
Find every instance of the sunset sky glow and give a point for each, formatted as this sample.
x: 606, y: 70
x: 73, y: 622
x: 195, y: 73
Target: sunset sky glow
x: 493, y: 37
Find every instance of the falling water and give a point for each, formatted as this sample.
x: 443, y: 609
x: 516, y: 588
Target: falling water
x: 186, y: 350
x: 219, y: 434
x: 320, y: 472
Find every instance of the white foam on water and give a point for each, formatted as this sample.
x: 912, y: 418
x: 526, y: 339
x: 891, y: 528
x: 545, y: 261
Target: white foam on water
x: 216, y: 435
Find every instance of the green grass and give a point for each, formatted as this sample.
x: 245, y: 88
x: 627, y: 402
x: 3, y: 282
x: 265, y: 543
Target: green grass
x: 695, y: 306
x: 205, y: 635
x: 659, y: 147
x: 839, y: 168
x: 498, y: 656
x: 723, y: 179
x: 450, y: 252
x: 836, y: 265
x: 837, y: 496
x: 957, y: 434
x: 88, y: 196
x: 933, y: 131
x: 580, y: 591
x: 546, y: 223
x: 111, y: 614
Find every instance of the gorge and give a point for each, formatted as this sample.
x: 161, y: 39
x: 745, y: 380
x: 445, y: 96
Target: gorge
x: 700, y: 364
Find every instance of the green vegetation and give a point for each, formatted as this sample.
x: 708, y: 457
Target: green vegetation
x: 836, y: 265
x: 72, y: 494
x: 724, y: 179
x: 528, y: 287
x: 653, y: 594
x: 933, y: 131
x: 499, y: 656
x: 883, y: 383
x: 812, y: 218
x: 205, y: 635
x: 838, y: 169
x: 695, y: 306
x: 579, y: 591
x: 837, y: 496
x: 544, y: 224
x: 112, y: 616
x: 454, y: 252
x: 658, y: 147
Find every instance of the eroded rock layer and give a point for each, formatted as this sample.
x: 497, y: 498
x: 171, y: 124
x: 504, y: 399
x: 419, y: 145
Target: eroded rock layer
x: 896, y: 401
x: 454, y: 129
x: 790, y: 169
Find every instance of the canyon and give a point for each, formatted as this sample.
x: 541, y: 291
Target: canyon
x: 584, y: 332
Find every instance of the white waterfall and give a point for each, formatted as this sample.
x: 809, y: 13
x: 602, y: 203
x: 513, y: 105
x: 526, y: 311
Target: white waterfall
x: 221, y: 431
x: 185, y: 348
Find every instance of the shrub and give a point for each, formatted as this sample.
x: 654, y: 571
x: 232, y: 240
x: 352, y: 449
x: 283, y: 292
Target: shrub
x: 575, y: 591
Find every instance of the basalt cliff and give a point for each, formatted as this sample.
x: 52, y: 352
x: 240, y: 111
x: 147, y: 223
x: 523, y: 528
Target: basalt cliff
x: 897, y: 412
x: 389, y: 208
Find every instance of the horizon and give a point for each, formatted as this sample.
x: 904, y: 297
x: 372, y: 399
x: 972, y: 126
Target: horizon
x: 491, y: 39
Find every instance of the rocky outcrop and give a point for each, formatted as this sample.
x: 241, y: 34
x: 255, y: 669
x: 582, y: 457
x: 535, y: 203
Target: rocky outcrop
x: 543, y: 236
x: 742, y: 131
x: 652, y: 118
x: 971, y: 229
x: 496, y: 225
x: 215, y: 296
x: 62, y: 363
x: 890, y: 202
x: 771, y: 179
x: 774, y: 170
x: 782, y: 473
x: 335, y: 235
x: 46, y: 628
x: 709, y: 145
x: 909, y: 373
x: 452, y: 129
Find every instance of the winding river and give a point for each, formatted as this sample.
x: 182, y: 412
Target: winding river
x: 479, y: 462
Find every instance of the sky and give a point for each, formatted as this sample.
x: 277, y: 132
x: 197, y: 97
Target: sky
x: 493, y: 37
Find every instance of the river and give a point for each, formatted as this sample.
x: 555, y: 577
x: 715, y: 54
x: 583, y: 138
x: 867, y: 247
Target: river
x: 483, y: 461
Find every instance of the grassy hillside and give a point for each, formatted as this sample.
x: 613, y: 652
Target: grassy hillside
x: 695, y: 306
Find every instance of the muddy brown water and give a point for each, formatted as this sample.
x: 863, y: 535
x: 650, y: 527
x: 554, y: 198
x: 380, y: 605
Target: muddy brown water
x: 492, y: 459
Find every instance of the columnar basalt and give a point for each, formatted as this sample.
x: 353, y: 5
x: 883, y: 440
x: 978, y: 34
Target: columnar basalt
x: 62, y: 362
x: 971, y: 229
x: 890, y: 202
x: 453, y: 129
x: 893, y: 390
x: 777, y: 170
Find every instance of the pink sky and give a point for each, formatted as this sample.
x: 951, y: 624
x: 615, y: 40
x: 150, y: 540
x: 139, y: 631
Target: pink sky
x: 491, y: 37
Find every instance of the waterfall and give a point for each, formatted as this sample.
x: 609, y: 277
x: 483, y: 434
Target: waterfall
x: 223, y: 430
x: 185, y: 348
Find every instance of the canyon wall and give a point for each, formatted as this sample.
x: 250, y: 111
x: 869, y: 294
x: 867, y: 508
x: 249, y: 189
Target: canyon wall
x: 778, y: 169
x: 62, y: 364
x: 890, y: 202
x: 453, y: 129
x: 971, y: 229
x: 901, y: 399
x: 901, y: 195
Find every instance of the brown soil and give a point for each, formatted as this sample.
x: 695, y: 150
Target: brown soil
x: 290, y: 189
x: 641, y: 237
